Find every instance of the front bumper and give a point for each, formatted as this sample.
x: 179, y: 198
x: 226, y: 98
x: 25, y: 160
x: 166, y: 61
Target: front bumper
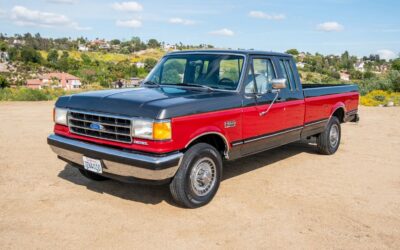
x: 128, y: 166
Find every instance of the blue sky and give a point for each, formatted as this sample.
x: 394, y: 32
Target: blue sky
x: 325, y: 26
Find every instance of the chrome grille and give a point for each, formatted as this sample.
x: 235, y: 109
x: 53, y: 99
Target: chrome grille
x: 112, y: 128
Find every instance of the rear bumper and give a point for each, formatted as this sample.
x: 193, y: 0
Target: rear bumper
x: 117, y: 164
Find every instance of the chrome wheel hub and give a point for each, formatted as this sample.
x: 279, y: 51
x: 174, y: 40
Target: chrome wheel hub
x: 203, y: 176
x: 334, y: 135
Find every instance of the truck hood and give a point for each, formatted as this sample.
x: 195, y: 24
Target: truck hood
x: 154, y: 102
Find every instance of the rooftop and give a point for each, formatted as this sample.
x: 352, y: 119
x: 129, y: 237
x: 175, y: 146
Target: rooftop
x: 228, y: 51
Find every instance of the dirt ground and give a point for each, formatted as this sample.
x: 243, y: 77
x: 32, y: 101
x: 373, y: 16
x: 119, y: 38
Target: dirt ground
x: 289, y: 197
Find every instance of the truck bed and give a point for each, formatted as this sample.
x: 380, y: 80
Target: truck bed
x: 313, y: 90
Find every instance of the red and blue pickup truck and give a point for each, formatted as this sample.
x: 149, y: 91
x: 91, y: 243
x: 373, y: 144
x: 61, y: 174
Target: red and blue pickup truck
x: 195, y: 110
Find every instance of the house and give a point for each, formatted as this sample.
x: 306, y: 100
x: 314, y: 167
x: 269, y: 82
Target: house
x: 344, y: 76
x: 100, y: 43
x: 55, y: 80
x: 168, y: 47
x: 360, y: 66
x: 34, y: 84
x: 83, y: 48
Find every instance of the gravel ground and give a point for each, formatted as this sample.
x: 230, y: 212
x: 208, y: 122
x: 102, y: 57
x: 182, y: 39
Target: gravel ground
x: 288, y: 197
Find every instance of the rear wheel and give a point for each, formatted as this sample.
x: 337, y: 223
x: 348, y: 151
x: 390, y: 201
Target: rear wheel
x: 198, y: 177
x: 92, y: 176
x: 328, y: 141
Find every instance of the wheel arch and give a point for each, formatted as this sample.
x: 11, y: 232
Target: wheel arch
x: 339, y: 111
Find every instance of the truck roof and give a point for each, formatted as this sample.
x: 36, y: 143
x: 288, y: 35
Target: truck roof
x: 229, y: 51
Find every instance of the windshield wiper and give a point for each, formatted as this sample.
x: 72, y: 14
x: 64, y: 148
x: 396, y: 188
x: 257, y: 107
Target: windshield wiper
x: 194, y: 85
x: 148, y: 82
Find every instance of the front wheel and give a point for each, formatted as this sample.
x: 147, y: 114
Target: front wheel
x: 328, y: 141
x: 198, y: 177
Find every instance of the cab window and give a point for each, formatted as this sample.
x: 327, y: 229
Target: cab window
x: 288, y: 74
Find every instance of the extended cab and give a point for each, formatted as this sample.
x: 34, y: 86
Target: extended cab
x: 195, y: 110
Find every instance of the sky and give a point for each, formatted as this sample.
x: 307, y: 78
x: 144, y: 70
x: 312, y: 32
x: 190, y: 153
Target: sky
x: 324, y: 26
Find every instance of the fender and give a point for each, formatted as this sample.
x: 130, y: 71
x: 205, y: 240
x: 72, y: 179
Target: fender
x: 209, y: 131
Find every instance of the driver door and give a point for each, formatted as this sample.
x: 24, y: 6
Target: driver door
x: 260, y: 126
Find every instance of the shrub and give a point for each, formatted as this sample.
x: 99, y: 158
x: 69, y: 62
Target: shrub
x: 380, y: 97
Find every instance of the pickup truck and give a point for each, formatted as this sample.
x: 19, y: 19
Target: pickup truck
x: 194, y: 111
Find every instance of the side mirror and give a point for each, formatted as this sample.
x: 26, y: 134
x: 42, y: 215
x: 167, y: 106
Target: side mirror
x: 278, y: 83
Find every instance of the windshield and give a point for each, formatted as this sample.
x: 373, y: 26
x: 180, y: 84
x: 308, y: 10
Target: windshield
x: 209, y: 70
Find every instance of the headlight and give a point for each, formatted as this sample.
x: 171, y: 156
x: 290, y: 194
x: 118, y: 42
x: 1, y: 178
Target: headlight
x: 152, y: 130
x: 60, y: 116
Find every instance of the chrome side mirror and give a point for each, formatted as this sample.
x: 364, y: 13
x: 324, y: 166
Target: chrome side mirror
x: 278, y: 83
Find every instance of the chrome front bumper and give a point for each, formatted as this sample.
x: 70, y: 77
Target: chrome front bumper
x: 117, y: 163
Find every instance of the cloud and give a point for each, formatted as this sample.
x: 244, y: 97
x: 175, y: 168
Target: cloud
x: 62, y: 1
x: 223, y: 32
x: 132, y: 23
x: 128, y: 6
x: 177, y: 20
x: 386, y: 54
x: 23, y: 16
x: 330, y: 26
x: 263, y: 15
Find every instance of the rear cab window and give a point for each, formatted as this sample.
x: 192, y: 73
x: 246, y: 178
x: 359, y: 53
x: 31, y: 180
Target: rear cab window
x: 288, y: 74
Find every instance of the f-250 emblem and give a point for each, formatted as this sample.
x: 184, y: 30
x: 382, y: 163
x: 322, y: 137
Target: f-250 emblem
x: 230, y: 124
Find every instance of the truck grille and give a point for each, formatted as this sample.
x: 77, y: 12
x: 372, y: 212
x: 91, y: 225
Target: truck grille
x: 100, y: 126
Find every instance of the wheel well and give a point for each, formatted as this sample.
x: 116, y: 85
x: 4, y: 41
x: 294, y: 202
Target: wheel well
x: 339, y: 113
x: 214, y: 140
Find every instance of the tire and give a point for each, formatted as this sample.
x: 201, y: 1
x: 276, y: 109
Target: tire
x: 198, y: 177
x: 328, y: 141
x: 92, y: 176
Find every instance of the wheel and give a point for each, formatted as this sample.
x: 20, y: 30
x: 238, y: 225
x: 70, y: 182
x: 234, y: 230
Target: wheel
x: 328, y: 141
x: 198, y: 178
x: 92, y: 176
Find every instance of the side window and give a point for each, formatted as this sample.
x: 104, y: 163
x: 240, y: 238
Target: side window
x: 173, y: 71
x: 288, y: 73
x: 264, y: 72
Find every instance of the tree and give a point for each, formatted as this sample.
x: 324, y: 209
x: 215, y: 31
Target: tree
x: 3, y: 82
x: 294, y: 52
x: 396, y: 64
x: 153, y: 43
x: 149, y: 64
x: 52, y: 57
x: 29, y: 54
x: 115, y: 42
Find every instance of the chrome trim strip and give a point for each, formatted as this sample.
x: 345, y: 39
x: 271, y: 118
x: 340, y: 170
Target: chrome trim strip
x: 102, y: 123
x: 314, y: 123
x: 101, y: 131
x: 116, y: 167
x: 100, y: 114
x: 271, y: 135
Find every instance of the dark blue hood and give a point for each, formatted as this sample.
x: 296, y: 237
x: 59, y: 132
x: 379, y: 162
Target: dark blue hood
x: 156, y: 103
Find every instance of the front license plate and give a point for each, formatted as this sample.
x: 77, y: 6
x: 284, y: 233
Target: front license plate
x: 92, y: 165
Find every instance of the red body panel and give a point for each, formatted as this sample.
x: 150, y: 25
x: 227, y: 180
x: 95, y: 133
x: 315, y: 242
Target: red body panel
x: 322, y: 107
x: 249, y: 123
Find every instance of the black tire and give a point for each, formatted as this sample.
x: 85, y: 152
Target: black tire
x: 184, y: 190
x: 92, y: 176
x: 326, y: 144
